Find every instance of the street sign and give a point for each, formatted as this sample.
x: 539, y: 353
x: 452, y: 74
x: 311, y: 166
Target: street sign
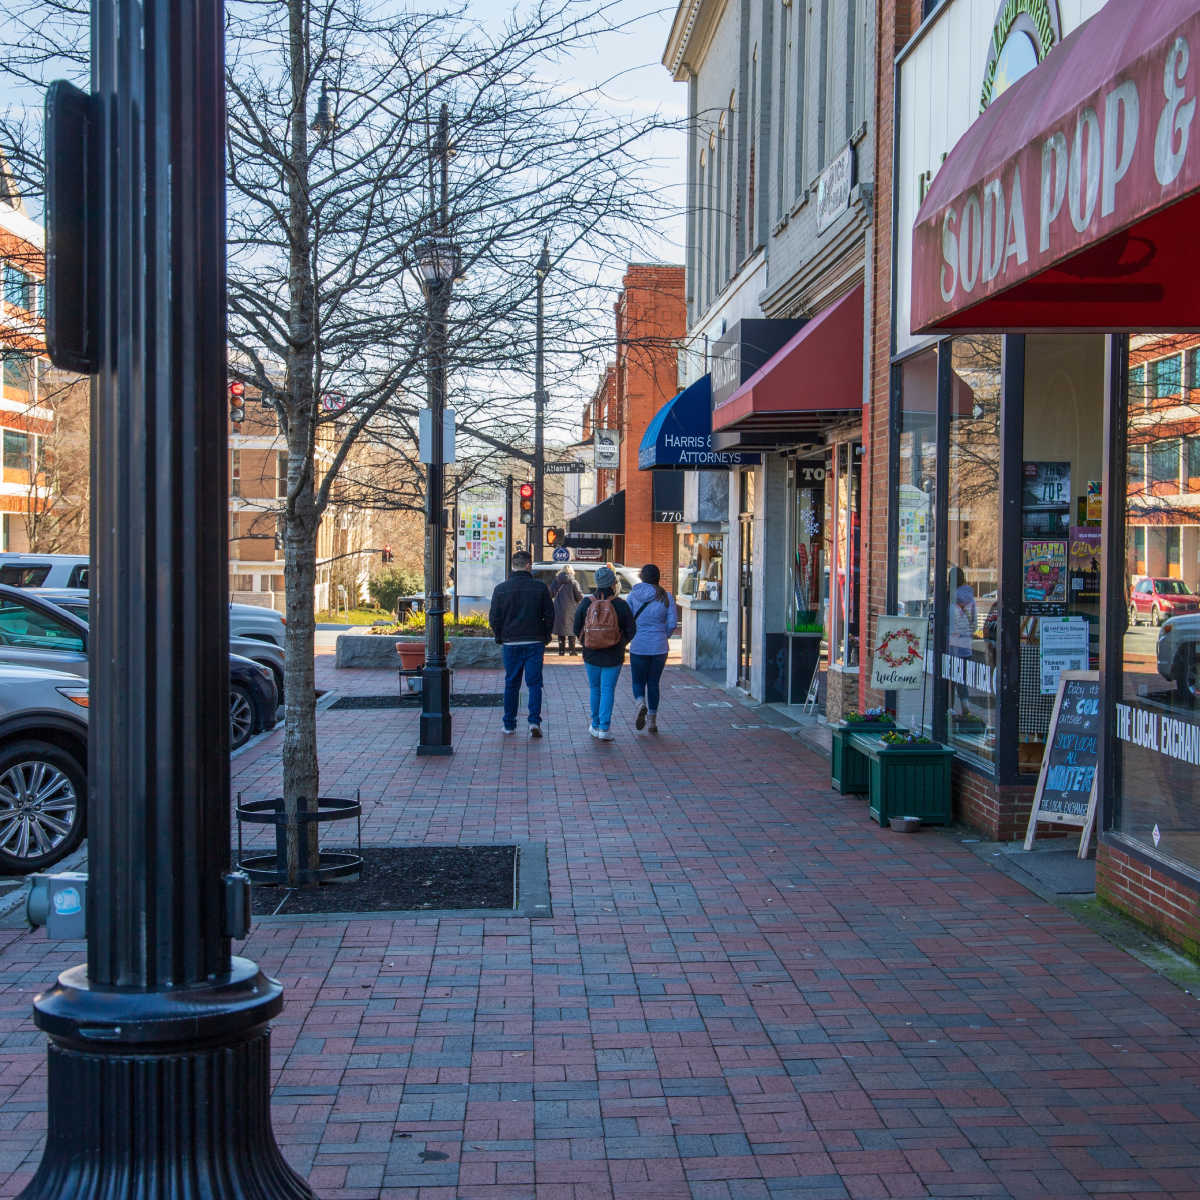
x: 565, y: 468
x: 333, y: 402
x: 561, y: 554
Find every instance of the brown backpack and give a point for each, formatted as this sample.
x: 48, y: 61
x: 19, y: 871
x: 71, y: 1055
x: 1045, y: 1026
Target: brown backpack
x: 601, y: 629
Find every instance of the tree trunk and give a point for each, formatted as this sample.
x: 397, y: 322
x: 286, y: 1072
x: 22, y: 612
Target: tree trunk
x: 301, y: 774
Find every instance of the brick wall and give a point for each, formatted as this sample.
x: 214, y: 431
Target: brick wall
x: 1155, y: 898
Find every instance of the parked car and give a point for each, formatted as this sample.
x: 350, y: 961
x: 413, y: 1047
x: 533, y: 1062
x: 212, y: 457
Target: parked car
x: 264, y: 652
x: 43, y: 767
x: 1176, y: 653
x: 1157, y: 599
x: 44, y: 570
x: 37, y: 633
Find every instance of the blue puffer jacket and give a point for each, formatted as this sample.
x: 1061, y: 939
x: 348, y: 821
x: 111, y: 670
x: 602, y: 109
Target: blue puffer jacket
x: 655, y: 622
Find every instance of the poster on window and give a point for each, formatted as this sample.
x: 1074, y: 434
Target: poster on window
x: 898, y: 658
x: 1063, y: 646
x: 914, y: 522
x: 1083, y: 562
x: 480, y: 564
x: 1045, y: 498
x: 1043, y: 575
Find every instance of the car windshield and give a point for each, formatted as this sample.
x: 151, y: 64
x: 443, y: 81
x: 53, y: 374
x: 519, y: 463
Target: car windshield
x: 1172, y: 587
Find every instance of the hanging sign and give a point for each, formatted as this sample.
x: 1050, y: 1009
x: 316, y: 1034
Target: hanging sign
x: 606, y: 446
x: 898, y: 660
x: 1066, y: 786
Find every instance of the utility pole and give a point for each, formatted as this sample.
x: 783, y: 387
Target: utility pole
x: 508, y: 520
x: 439, y: 268
x: 536, y: 535
x: 159, y: 1054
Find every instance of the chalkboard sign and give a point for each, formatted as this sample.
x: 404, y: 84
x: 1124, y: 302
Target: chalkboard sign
x: 1066, y: 786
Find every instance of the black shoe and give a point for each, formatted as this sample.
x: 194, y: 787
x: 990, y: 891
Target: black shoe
x: 535, y: 731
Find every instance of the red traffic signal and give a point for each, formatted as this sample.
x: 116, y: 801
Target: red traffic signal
x: 526, y: 493
x: 237, y: 401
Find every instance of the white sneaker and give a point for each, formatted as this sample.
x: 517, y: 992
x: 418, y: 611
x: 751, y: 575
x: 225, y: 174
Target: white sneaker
x: 640, y: 721
x: 604, y: 735
x: 593, y: 731
x: 505, y: 730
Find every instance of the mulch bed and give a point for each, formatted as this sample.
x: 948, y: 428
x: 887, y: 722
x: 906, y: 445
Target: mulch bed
x: 413, y: 700
x: 403, y: 878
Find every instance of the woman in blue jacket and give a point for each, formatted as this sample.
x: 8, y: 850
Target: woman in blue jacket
x: 657, y: 618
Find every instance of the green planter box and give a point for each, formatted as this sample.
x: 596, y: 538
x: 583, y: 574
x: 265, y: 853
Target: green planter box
x: 849, y: 772
x: 908, y: 781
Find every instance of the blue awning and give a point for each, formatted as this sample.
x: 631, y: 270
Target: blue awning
x: 680, y: 435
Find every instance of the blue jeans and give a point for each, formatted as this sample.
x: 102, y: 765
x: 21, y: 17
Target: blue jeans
x: 647, y: 670
x: 518, y: 661
x: 602, y: 682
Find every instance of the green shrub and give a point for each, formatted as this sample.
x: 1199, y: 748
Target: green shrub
x: 388, y: 586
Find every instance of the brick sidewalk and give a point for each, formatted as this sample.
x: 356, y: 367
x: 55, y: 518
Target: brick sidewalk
x: 746, y: 990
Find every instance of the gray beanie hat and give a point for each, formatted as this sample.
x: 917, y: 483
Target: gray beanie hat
x: 605, y: 577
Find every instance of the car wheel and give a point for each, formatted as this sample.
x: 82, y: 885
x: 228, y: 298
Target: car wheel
x: 1155, y: 616
x: 42, y: 795
x: 1133, y: 615
x: 241, y: 716
x: 1184, y: 673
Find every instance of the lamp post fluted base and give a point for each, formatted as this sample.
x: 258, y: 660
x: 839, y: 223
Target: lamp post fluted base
x: 435, y: 711
x: 169, y: 1099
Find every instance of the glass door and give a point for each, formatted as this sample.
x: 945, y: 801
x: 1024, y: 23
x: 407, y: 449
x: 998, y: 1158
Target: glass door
x: 746, y: 579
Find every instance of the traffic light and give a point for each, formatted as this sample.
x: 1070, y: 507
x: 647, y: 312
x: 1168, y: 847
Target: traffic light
x: 555, y: 536
x: 237, y: 402
x: 386, y: 554
x: 525, y: 491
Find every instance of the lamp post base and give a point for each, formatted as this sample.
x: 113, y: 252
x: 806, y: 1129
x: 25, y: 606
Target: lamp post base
x: 163, y: 1094
x: 435, y: 711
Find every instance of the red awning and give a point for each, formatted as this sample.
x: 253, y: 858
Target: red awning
x: 814, y: 380
x: 1071, y: 203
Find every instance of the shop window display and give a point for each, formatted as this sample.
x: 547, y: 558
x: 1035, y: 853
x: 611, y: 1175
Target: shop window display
x: 1060, y: 535
x: 917, y: 491
x: 809, y: 598
x: 971, y: 586
x: 1157, y: 721
x: 701, y: 566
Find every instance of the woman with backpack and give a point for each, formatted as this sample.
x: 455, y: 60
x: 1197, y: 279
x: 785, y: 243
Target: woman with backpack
x: 657, y: 618
x: 604, y: 625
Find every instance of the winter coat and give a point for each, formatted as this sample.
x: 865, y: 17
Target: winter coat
x: 609, y: 656
x: 522, y: 610
x: 655, y: 621
x: 565, y: 593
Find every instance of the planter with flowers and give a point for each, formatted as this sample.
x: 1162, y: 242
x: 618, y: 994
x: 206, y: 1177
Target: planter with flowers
x: 849, y: 770
x: 909, y: 777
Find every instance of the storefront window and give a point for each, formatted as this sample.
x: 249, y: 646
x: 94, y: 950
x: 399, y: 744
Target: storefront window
x: 847, y: 492
x: 810, y: 585
x: 971, y: 587
x: 700, y: 565
x: 917, y: 492
x: 1157, y: 723
x: 1061, y: 510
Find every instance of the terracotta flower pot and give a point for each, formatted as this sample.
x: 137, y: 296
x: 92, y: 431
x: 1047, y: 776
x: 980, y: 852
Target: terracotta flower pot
x: 412, y: 654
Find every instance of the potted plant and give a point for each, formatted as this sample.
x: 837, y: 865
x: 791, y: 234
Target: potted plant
x: 848, y: 768
x: 909, y: 776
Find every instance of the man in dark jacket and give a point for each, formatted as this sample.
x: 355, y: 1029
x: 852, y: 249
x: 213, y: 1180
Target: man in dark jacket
x: 522, y: 618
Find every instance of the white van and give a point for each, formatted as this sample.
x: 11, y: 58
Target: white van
x: 44, y: 570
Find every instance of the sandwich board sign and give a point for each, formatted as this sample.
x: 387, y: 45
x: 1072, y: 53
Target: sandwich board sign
x: 1066, y: 786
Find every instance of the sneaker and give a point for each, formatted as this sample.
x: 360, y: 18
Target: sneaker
x: 535, y: 731
x: 506, y: 729
x: 653, y: 718
x: 593, y: 731
x: 640, y: 720
x: 604, y: 735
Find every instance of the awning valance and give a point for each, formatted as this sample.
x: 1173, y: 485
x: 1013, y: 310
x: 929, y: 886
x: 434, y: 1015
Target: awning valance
x: 815, y: 380
x: 680, y: 435
x: 606, y: 517
x: 1070, y: 203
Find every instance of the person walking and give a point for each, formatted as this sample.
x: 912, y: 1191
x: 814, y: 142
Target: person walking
x: 565, y: 593
x: 657, y: 618
x: 604, y: 625
x: 521, y: 617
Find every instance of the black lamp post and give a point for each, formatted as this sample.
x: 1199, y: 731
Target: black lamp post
x: 539, y: 402
x: 159, y: 1050
x: 438, y: 264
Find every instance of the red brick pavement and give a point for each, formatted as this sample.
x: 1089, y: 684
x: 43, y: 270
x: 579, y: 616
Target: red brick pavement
x: 746, y: 990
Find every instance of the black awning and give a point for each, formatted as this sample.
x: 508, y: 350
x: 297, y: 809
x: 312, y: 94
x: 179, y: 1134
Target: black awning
x: 606, y: 517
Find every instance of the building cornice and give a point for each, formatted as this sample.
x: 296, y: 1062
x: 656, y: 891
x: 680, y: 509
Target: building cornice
x: 691, y: 34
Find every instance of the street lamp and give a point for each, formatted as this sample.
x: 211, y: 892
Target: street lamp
x: 323, y: 123
x: 539, y: 404
x: 158, y: 1080
x: 438, y: 267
